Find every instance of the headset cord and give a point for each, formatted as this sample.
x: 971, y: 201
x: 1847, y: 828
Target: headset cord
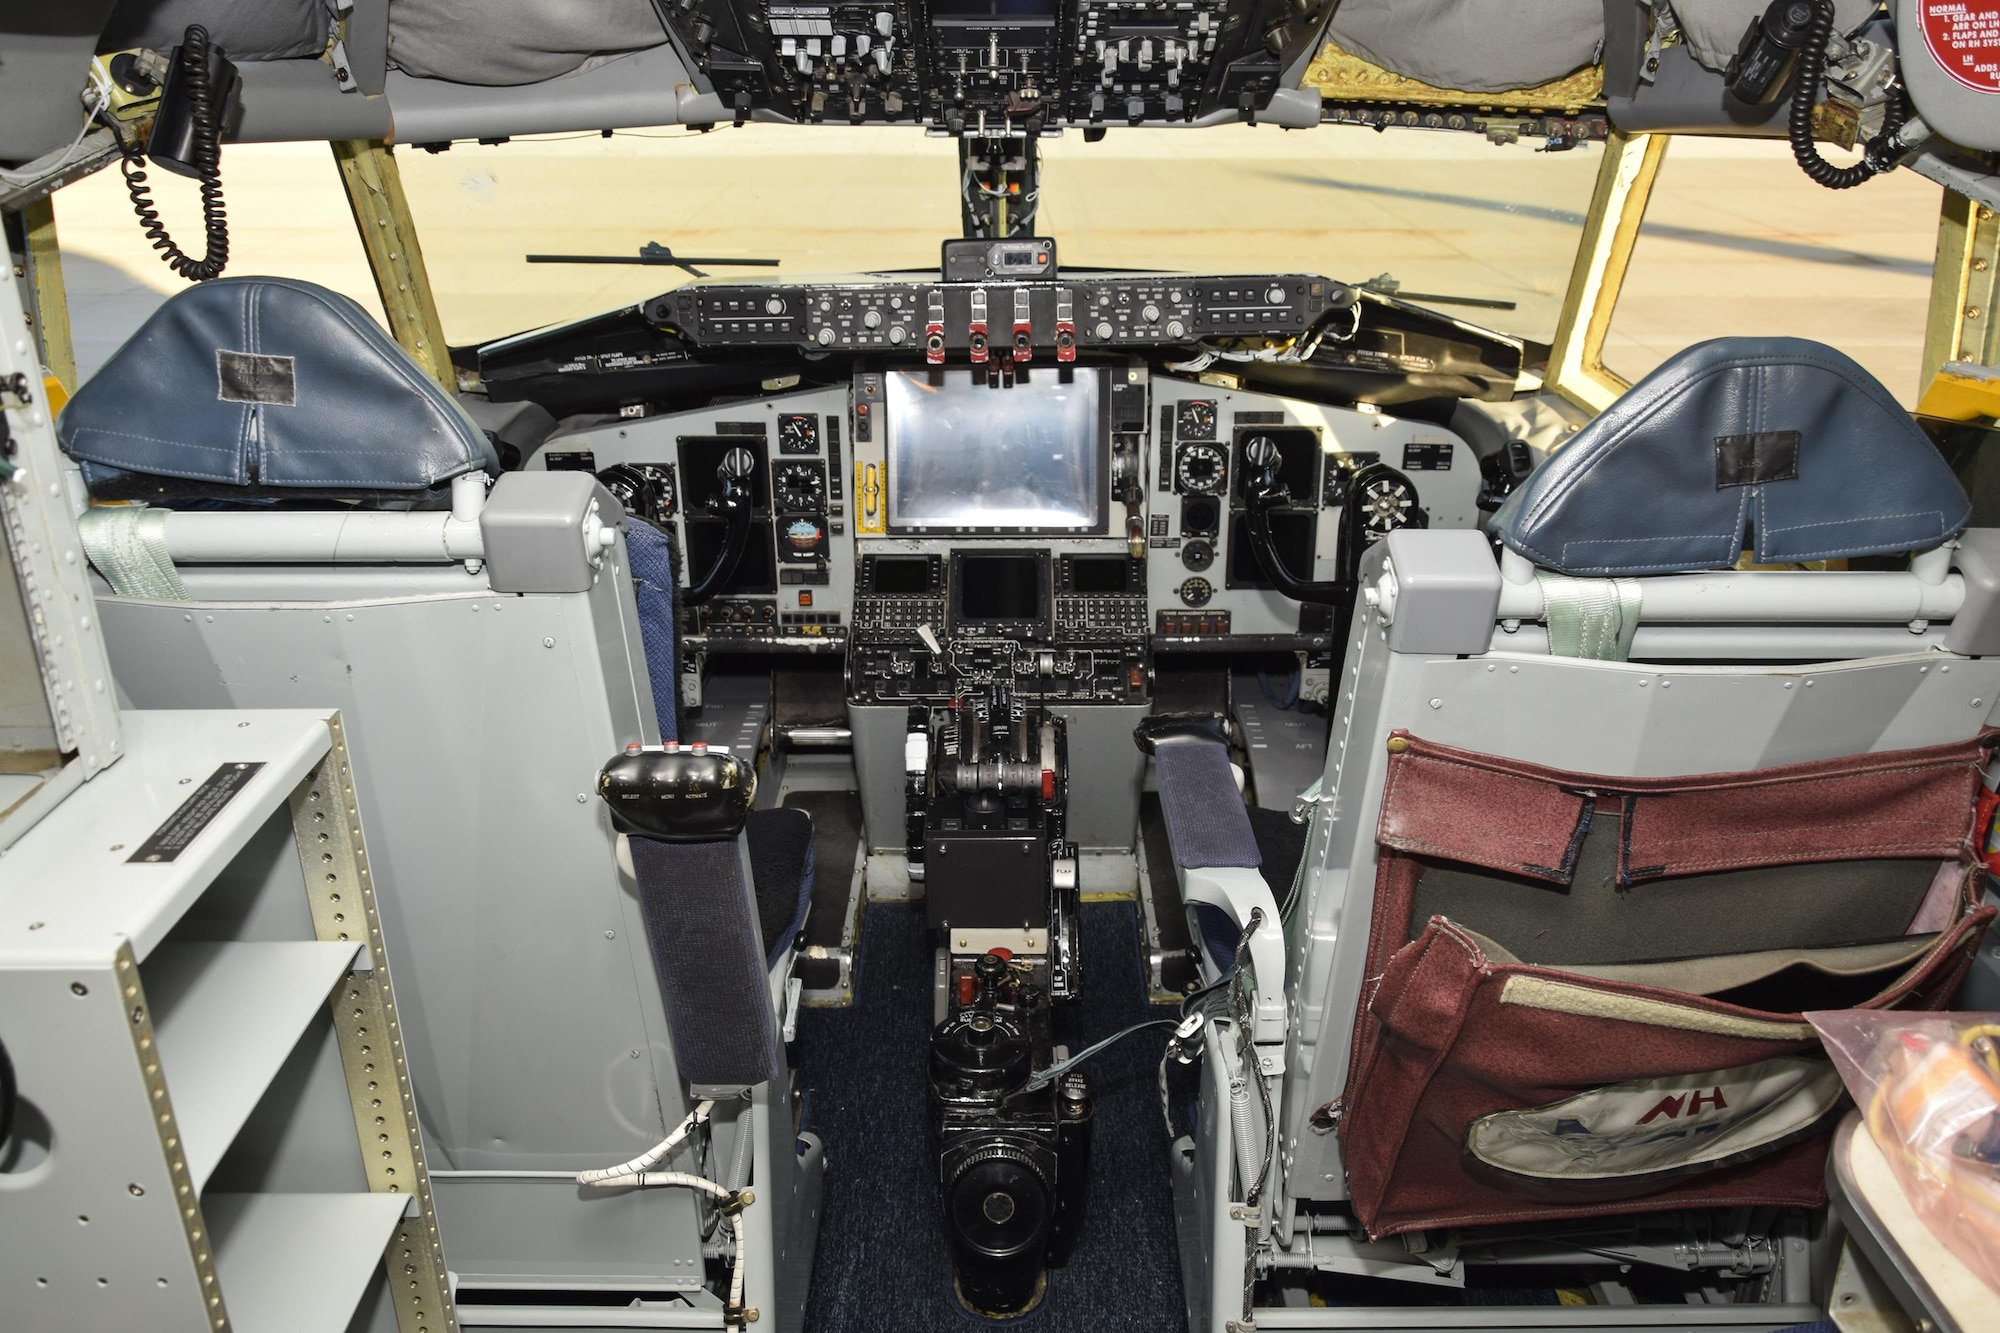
x: 206, y: 117
x: 1882, y: 150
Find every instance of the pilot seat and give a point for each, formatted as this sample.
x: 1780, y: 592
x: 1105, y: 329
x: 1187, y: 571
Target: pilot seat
x: 277, y: 483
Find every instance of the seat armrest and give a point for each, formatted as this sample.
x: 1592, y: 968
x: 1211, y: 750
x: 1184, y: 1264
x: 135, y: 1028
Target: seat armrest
x: 1241, y: 893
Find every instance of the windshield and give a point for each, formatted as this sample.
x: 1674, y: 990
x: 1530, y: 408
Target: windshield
x: 1432, y: 214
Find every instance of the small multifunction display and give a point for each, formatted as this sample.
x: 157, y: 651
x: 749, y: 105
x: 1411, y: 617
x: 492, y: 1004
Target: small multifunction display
x: 1000, y: 592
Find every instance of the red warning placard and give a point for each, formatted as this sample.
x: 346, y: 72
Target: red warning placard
x: 1964, y: 38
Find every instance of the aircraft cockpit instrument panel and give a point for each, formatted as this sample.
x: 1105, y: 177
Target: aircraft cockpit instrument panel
x: 1008, y: 474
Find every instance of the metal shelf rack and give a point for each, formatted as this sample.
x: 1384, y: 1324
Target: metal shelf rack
x: 216, y: 1129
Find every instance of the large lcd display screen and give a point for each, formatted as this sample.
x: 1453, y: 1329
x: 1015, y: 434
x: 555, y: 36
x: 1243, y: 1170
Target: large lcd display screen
x: 968, y: 456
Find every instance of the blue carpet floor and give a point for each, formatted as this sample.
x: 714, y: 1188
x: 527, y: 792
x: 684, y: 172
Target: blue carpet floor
x: 882, y: 1263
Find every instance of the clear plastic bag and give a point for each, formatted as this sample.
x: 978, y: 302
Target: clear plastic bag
x: 1928, y: 1086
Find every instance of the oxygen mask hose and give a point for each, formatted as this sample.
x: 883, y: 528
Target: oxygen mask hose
x: 1881, y: 151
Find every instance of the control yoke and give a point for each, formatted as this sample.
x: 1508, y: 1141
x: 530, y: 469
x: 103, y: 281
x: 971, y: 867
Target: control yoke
x: 1268, y: 493
x: 733, y: 504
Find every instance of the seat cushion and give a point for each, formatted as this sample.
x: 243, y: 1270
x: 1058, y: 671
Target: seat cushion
x: 781, y: 871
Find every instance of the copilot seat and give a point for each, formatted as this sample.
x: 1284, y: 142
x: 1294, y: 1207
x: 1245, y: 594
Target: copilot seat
x: 1603, y: 813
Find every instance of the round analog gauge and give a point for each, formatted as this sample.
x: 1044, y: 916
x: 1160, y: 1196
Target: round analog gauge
x: 1196, y: 420
x: 1200, y: 469
x: 798, y: 435
x: 1196, y: 592
x: 1197, y: 554
x: 1386, y: 505
x: 800, y: 487
x: 646, y: 491
x: 629, y: 487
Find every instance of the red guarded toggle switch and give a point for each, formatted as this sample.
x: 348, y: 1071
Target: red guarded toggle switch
x: 1048, y: 784
x: 934, y: 331
x: 1024, y: 328
x: 1065, y: 327
x: 975, y: 328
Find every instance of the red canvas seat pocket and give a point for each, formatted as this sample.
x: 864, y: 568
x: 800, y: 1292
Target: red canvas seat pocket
x: 1600, y: 1010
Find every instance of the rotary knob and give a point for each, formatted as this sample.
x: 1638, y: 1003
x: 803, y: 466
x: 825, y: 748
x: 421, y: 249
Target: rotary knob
x: 1176, y: 329
x: 774, y: 306
x: 897, y: 334
x: 1104, y: 330
x: 1276, y: 296
x: 1151, y: 314
x: 826, y: 335
x: 871, y: 319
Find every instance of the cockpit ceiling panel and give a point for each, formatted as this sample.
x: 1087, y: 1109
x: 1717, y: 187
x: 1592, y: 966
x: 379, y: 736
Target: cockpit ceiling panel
x: 996, y: 65
x: 450, y: 69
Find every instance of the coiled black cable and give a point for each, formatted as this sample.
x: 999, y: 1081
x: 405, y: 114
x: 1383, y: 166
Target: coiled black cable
x: 1805, y: 96
x: 207, y: 163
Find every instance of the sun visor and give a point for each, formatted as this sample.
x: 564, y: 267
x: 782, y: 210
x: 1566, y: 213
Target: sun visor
x: 1777, y: 445
x: 269, y: 383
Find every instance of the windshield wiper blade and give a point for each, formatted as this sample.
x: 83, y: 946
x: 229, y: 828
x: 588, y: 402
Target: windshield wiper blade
x: 653, y: 253
x: 1385, y: 284
x: 1483, y: 302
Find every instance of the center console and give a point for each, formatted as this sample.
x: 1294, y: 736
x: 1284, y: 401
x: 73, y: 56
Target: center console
x: 989, y: 551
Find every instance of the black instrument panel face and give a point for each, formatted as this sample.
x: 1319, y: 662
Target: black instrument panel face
x: 1200, y: 468
x: 798, y: 433
x: 1195, y: 419
x: 1091, y: 312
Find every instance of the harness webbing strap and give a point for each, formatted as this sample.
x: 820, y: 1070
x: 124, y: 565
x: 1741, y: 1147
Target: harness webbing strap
x: 127, y: 544
x: 1590, y: 618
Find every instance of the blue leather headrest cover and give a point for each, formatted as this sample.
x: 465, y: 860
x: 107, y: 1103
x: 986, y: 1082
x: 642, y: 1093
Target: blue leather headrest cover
x: 1781, y: 436
x: 268, y: 382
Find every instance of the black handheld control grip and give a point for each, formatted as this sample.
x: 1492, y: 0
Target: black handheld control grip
x: 678, y: 793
